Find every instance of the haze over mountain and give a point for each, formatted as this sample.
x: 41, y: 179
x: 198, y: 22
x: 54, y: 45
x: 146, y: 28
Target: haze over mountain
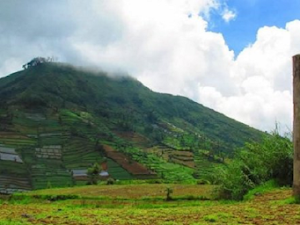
x: 57, y: 120
x: 223, y: 54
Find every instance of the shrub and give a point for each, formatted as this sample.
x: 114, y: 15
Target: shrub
x: 255, y: 164
x: 93, y: 174
x: 202, y: 182
x: 110, y: 181
x: 233, y: 182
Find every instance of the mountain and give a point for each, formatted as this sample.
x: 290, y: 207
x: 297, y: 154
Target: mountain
x: 57, y: 120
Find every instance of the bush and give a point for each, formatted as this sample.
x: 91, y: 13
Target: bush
x: 202, y: 182
x: 233, y: 182
x: 110, y: 181
x: 93, y: 174
x: 255, y: 164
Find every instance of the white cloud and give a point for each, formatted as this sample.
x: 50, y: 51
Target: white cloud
x: 166, y: 45
x: 228, y: 15
x: 263, y: 74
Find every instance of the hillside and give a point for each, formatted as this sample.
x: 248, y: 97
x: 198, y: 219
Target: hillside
x: 57, y: 120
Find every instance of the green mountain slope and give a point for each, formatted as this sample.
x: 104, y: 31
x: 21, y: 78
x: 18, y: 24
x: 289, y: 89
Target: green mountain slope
x: 59, y: 120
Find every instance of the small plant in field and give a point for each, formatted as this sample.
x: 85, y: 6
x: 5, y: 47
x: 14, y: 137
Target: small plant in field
x: 297, y: 199
x: 211, y: 218
x: 169, y: 191
x: 291, y: 200
x: 110, y: 181
x: 217, y: 217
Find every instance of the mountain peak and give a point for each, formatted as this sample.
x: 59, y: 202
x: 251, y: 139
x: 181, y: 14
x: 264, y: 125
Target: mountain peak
x: 90, y: 116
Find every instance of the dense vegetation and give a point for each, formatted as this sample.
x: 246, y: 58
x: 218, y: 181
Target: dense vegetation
x: 255, y: 164
x: 125, y: 101
x: 57, y: 121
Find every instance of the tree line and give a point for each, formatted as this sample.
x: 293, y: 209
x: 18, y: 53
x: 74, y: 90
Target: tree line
x: 37, y: 61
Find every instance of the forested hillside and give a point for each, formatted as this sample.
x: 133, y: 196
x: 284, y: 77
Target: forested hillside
x: 57, y: 120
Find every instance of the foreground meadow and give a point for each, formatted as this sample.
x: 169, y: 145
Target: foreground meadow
x: 145, y: 204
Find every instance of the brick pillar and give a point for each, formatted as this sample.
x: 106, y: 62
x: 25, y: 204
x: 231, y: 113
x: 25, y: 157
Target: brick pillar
x: 296, y: 126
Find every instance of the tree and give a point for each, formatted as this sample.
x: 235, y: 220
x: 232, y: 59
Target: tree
x: 37, y: 61
x: 93, y: 174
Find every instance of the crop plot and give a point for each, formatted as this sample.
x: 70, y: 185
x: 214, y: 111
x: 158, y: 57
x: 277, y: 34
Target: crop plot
x: 9, y: 154
x: 146, y: 204
x: 127, y: 163
x: 49, y: 152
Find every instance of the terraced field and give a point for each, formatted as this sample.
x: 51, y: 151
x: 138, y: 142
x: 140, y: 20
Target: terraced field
x: 182, y: 157
x: 127, y: 163
x: 117, y: 171
x: 138, y: 139
x: 55, y: 149
x: 48, y: 150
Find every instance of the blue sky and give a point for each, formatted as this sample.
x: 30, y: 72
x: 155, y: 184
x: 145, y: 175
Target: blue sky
x: 250, y: 16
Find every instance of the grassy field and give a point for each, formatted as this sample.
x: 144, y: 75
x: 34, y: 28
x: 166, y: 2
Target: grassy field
x: 146, y: 204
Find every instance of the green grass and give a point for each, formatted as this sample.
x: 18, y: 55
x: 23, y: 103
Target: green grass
x: 261, y: 189
x: 125, y: 204
x: 218, y: 217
